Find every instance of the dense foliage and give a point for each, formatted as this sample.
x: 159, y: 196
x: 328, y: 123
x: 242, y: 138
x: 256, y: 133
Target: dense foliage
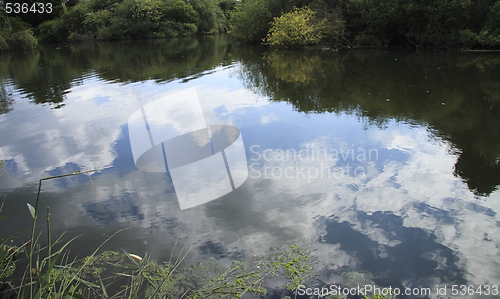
x: 79, y: 20
x: 15, y: 34
x: 449, y: 24
x: 298, y: 27
x: 251, y: 21
x: 134, y: 19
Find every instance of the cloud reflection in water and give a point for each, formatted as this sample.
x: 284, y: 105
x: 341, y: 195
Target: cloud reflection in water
x: 406, y: 198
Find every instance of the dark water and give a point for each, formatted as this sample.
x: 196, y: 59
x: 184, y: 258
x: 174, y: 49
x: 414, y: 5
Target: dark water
x: 389, y: 160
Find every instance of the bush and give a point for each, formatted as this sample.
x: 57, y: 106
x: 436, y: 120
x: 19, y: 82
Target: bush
x: 299, y: 27
x: 136, y: 19
x: 70, y: 26
x: 174, y: 29
x: 211, y: 18
x: 334, y: 28
x: 94, y: 21
x: 483, y: 39
x: 52, y: 31
x: 180, y: 12
x: 104, y: 33
x: 179, y: 19
x: 16, y: 35
x: 3, y: 44
x: 22, y: 40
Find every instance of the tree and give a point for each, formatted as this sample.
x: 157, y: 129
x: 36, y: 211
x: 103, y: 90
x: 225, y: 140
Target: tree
x: 211, y: 17
x: 15, y: 34
x: 181, y: 12
x: 227, y: 7
x: 251, y: 20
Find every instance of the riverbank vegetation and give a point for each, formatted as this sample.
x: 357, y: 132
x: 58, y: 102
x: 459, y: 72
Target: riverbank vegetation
x: 34, y: 268
x: 34, y: 264
x: 448, y: 24
x: 74, y: 20
x: 50, y: 272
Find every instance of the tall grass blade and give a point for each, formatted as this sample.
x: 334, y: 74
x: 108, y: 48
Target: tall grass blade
x: 32, y: 210
x: 49, y: 243
x: 177, y: 263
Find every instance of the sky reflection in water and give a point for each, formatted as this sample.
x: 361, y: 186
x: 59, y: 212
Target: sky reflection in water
x: 381, y: 199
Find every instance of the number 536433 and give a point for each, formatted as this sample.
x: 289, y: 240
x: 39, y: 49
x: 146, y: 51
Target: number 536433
x: 28, y: 8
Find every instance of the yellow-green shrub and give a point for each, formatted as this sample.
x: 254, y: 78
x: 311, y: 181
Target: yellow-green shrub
x: 299, y: 27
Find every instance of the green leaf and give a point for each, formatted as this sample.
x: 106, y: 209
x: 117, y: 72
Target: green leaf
x: 32, y: 210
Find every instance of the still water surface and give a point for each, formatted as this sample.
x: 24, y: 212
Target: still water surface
x: 389, y: 160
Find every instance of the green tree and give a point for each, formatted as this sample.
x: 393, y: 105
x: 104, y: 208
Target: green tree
x: 97, y: 23
x: 491, y: 27
x: 178, y: 19
x: 69, y: 26
x: 251, y: 20
x: 421, y: 24
x: 15, y: 34
x: 181, y: 12
x: 145, y: 18
x: 435, y: 23
x: 227, y: 7
x: 211, y: 16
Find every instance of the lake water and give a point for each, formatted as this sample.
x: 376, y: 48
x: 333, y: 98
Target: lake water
x: 389, y: 161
